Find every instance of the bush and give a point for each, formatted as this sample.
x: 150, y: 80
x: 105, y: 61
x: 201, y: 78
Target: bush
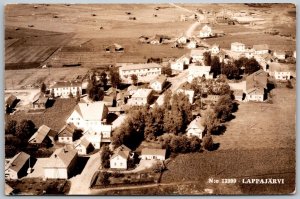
x: 289, y: 84
x: 208, y: 142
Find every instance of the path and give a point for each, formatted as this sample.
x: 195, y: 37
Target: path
x: 80, y: 184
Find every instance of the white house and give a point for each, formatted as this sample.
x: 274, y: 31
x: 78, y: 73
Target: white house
x: 215, y: 49
x: 182, y: 40
x: 256, y: 85
x: 192, y: 44
x: 88, y: 115
x: 16, y: 167
x: 199, y: 71
x: 61, y: 163
x: 141, y: 97
x: 206, y: 32
x: 158, y: 83
x: 153, y: 154
x: 238, y: 47
x: 261, y: 49
x: 180, y: 63
x: 64, y: 88
x: 83, y: 146
x: 197, y: 55
x: 195, y: 128
x: 145, y: 72
x: 279, y: 54
x: 249, y: 53
x: 279, y: 71
x: 66, y: 134
x: 119, y: 159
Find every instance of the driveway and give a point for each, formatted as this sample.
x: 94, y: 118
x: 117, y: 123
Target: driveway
x: 80, y: 184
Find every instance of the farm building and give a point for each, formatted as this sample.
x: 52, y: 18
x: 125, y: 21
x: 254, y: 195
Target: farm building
x: 114, y: 48
x: 43, y: 137
x: 83, y: 146
x: 120, y: 157
x: 41, y: 102
x: 141, y: 97
x: 206, y: 32
x: 280, y: 55
x: 238, y: 47
x: 145, y: 72
x: 66, y: 88
x: 11, y: 101
x: 199, y: 71
x: 66, y: 134
x: 261, y: 49
x: 195, y: 128
x: 88, y: 115
x: 16, y: 167
x: 279, y: 71
x: 158, y: 83
x: 97, y: 135
x: 256, y: 85
x: 197, y: 55
x: 61, y: 163
x: 181, y: 63
x: 153, y: 154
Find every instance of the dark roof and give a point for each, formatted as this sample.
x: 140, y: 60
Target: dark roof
x: 19, y: 161
x: 67, y: 131
x: 11, y: 100
x: 42, y: 99
x: 40, y: 135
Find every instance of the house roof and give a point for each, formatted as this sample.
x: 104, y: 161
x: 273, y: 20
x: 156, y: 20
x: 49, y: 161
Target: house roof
x: 131, y: 66
x: 122, y: 151
x: 67, y: 131
x: 41, y: 99
x: 261, y: 47
x: 197, y: 52
x: 39, y: 136
x: 18, y: 161
x: 238, y: 92
x: 193, y: 68
x: 117, y: 122
x: 84, y: 142
x: 237, y: 44
x: 91, y: 111
x: 196, y: 123
x: 278, y: 67
x: 142, y: 93
x: 132, y: 87
x: 108, y: 100
x: 256, y: 80
x: 10, y: 100
x: 215, y: 46
x: 279, y: 52
x: 148, y: 151
x: 205, y: 28
x: 120, y: 96
x: 160, y: 79
x: 61, y: 158
x: 8, y: 189
x: 64, y: 84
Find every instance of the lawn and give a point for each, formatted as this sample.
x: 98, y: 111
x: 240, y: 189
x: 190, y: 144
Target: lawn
x: 37, y: 186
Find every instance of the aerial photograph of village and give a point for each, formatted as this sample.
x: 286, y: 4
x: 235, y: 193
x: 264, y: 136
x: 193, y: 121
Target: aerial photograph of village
x: 150, y: 99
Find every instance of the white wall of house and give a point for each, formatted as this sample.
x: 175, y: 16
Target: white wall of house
x: 195, y: 132
x: 56, y: 173
x: 118, y: 162
x: 255, y: 97
x: 81, y: 149
x: 65, y: 140
x: 215, y: 50
x: 282, y: 75
x: 261, y: 52
x: 144, y: 74
x: 152, y: 157
x: 64, y: 92
x: 157, y: 86
x: 11, y: 174
x: 138, y: 101
x: 192, y: 45
x: 177, y: 66
x: 237, y: 47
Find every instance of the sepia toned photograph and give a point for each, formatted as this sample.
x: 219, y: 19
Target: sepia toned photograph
x: 150, y: 99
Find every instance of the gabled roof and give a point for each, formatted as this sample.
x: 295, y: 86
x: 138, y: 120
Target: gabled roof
x: 61, y: 158
x: 148, y: 151
x: 238, y: 92
x: 261, y: 47
x: 278, y: 67
x: 91, y: 111
x: 10, y: 100
x: 39, y: 136
x: 142, y: 93
x: 205, y: 28
x: 108, y: 100
x: 41, y: 99
x: 197, y: 52
x: 195, y: 68
x: 196, y: 124
x: 237, y: 43
x: 84, y: 142
x: 18, y: 161
x: 258, y: 79
x: 117, y: 122
x: 122, y: 151
x: 67, y: 131
x: 160, y: 79
x: 279, y: 52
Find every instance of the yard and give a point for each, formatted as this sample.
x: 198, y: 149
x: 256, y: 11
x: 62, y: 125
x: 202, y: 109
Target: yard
x: 37, y: 186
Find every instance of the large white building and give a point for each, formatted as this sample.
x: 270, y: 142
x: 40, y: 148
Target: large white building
x: 238, y: 47
x: 141, y: 97
x: 199, y: 71
x: 119, y: 159
x: 65, y: 88
x: 88, y: 115
x: 145, y: 72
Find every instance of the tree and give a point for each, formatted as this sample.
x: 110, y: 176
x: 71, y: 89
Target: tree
x: 224, y: 107
x: 166, y: 70
x: 134, y: 79
x: 105, y: 157
x: 43, y: 88
x: 208, y: 142
x: 114, y: 77
x: 71, y: 95
x: 25, y: 130
x: 210, y: 120
x: 52, y: 93
x: 10, y: 127
x: 207, y: 58
x: 251, y: 66
x: 104, y: 178
x: 230, y: 70
x: 103, y: 79
x: 215, y: 66
x: 77, y: 96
